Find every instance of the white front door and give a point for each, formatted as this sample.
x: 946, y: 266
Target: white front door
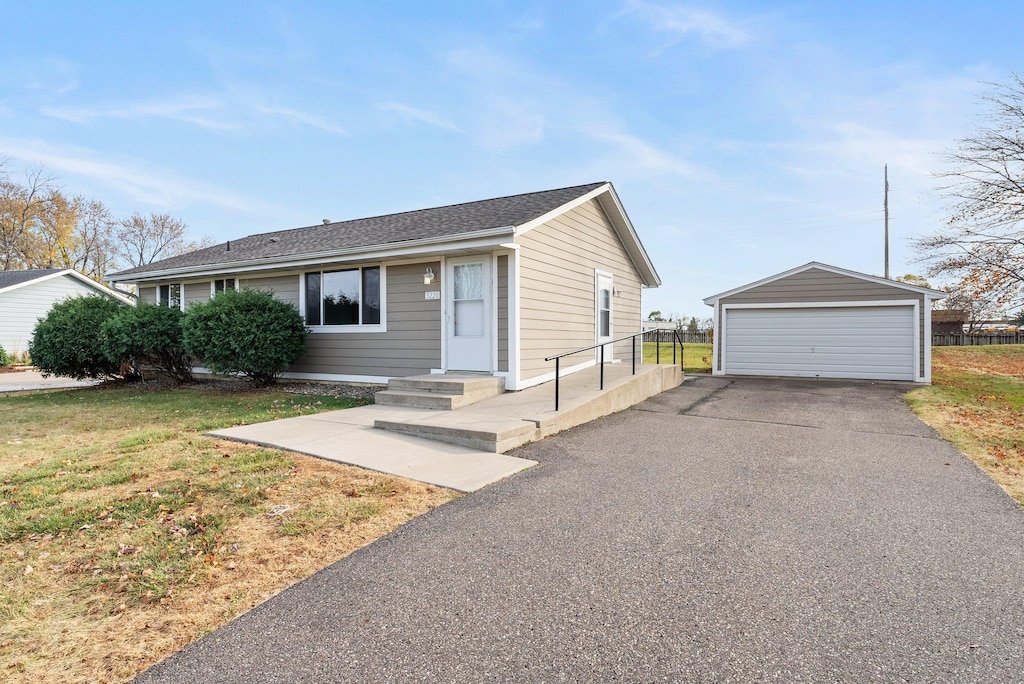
x: 603, y: 312
x: 468, y: 321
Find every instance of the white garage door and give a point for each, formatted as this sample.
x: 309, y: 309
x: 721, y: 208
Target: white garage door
x: 871, y: 342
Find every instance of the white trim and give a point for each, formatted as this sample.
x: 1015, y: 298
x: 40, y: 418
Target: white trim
x: 494, y: 308
x: 103, y: 289
x: 442, y: 273
x: 831, y: 269
x: 480, y: 239
x: 822, y: 305
x: 381, y: 327
x: 213, y: 284
x: 927, y: 375
x: 548, y: 377
x: 716, y: 342
x: 651, y: 277
x: 491, y: 319
x: 514, y: 341
x: 623, y: 227
x: 915, y: 304
x: 598, y: 274
x: 558, y: 211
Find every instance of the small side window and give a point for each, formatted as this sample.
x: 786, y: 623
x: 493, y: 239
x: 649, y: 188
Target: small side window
x: 170, y: 295
x: 223, y: 284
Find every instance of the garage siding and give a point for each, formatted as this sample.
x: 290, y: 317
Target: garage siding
x: 818, y: 285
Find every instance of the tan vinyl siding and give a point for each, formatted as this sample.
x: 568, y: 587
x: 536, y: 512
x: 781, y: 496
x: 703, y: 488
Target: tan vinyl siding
x: 502, y: 313
x: 411, y: 345
x: 196, y: 292
x: 557, y: 288
x: 147, y: 294
x: 817, y: 285
x: 285, y: 287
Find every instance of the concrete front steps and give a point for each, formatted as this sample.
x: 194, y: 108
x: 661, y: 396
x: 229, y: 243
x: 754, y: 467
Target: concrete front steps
x: 511, y: 419
x: 440, y: 392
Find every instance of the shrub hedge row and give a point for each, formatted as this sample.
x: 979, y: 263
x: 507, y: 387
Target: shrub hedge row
x: 248, y: 332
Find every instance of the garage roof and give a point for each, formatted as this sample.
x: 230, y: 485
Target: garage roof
x: 936, y: 294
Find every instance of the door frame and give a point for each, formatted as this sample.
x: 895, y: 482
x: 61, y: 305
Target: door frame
x: 598, y: 275
x: 448, y: 265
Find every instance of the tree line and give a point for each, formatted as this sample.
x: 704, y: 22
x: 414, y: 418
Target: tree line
x: 43, y: 226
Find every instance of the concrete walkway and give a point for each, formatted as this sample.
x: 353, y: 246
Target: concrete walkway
x: 453, y: 457
x: 29, y: 380
x: 744, y: 530
x: 348, y: 436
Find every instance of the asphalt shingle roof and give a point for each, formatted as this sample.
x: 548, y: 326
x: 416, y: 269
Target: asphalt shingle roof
x: 8, y: 278
x: 436, y: 222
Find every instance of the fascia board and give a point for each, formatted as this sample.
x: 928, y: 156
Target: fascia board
x: 77, y: 276
x: 482, y: 238
x: 606, y: 194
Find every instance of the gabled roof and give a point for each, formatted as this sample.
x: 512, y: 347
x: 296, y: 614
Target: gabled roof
x: 434, y: 225
x: 937, y: 294
x: 12, y: 280
x: 9, y: 278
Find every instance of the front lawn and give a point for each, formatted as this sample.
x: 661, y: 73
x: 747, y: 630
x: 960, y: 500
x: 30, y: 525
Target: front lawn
x: 976, y: 402
x: 126, y: 534
x: 696, y: 356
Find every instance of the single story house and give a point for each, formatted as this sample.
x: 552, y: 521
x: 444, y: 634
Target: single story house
x: 27, y: 296
x: 493, y: 286
x: 821, y: 321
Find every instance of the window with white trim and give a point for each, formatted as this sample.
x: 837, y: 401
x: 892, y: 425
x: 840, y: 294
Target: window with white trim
x: 170, y: 295
x: 222, y: 284
x: 349, y: 297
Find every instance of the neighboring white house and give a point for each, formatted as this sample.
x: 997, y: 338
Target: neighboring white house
x: 494, y: 286
x: 27, y: 296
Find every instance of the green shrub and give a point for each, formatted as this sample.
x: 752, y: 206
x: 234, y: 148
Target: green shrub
x: 246, y: 332
x: 148, y: 335
x: 67, y: 342
x: 5, y: 360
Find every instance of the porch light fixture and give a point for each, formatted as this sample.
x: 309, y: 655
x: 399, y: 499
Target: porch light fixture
x: 428, y: 277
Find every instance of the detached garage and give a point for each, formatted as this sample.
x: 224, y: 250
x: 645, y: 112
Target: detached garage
x: 820, y: 321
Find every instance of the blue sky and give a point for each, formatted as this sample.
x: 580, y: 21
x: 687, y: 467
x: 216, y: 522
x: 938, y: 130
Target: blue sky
x: 744, y: 138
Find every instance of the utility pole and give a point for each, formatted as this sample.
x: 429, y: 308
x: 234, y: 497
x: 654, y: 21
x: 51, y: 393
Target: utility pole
x: 887, y: 221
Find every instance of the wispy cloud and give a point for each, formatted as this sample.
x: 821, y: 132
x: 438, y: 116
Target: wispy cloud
x: 420, y: 115
x: 186, y: 110
x: 303, y: 119
x: 684, y: 23
x: 156, y: 187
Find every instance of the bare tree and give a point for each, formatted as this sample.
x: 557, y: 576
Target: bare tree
x: 21, y: 208
x: 981, y: 246
x: 142, y: 240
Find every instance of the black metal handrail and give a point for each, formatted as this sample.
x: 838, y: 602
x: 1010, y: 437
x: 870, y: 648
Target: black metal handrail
x: 601, y: 345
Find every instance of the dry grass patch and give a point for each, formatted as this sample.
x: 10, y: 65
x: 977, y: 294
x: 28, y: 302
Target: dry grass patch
x: 976, y: 402
x: 125, y: 534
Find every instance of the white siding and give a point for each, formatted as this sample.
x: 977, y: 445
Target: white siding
x: 21, y: 308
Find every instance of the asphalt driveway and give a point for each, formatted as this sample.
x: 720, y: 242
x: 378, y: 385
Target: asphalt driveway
x: 728, y: 530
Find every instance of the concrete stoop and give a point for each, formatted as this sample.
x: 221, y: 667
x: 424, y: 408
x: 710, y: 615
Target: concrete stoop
x: 440, y: 392
x: 505, y: 422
